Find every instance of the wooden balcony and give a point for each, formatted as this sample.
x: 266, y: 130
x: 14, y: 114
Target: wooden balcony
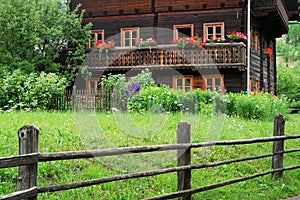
x: 274, y: 15
x: 217, y: 55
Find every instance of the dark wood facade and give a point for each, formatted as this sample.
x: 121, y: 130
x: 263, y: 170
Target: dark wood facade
x: 161, y: 19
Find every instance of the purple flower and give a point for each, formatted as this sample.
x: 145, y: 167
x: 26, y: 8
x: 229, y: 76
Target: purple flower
x: 132, y: 89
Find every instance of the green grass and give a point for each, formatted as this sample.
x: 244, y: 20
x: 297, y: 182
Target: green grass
x: 67, y: 131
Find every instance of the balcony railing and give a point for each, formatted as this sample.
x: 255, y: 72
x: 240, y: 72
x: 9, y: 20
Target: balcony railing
x: 221, y: 55
x: 264, y: 7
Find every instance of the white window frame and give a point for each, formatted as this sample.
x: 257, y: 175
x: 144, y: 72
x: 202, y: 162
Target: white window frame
x: 130, y: 30
x: 183, y: 78
x: 176, y: 27
x: 214, y: 77
x: 96, y: 34
x: 214, y: 25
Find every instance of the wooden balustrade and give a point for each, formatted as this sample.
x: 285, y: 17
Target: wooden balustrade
x: 216, y: 54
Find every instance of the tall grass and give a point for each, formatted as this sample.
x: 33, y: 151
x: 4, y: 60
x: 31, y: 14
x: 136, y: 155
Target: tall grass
x: 59, y: 132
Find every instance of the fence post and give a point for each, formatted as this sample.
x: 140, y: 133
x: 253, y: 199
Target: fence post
x: 28, y: 143
x: 278, y: 146
x: 183, y: 133
x: 74, y: 98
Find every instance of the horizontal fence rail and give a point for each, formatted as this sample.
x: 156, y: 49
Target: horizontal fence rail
x: 28, y: 162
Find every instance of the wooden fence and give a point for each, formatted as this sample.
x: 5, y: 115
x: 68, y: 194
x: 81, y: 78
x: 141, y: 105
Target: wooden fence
x: 75, y: 100
x: 29, y: 158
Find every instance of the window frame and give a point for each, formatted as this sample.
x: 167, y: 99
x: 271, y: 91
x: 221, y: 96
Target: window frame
x: 214, y: 25
x: 96, y: 32
x: 130, y: 30
x: 175, y: 30
x: 213, y: 77
x: 183, y: 78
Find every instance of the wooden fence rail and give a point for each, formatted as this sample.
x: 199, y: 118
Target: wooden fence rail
x: 29, y: 159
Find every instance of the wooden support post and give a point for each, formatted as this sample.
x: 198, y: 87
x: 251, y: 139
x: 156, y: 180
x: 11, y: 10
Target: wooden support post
x: 28, y: 143
x: 278, y: 146
x: 183, y: 133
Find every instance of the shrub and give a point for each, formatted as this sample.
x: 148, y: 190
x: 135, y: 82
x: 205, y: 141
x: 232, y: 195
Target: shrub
x: 118, y: 87
x: 144, y: 78
x: 188, y: 101
x: 33, y: 91
x: 204, y: 96
x: 155, y: 99
x: 257, y: 106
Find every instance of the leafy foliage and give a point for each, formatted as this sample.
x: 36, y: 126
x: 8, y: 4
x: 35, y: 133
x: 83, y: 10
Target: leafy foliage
x: 41, y: 36
x: 289, y: 45
x: 156, y: 99
x: 257, y: 106
x: 117, y: 86
x: 33, y: 91
x: 261, y: 106
x: 289, y: 82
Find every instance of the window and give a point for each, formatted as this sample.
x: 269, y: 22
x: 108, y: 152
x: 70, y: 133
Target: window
x: 186, y: 30
x: 214, y: 29
x: 214, y: 83
x: 183, y: 83
x: 92, y: 85
x: 95, y: 35
x: 128, y: 36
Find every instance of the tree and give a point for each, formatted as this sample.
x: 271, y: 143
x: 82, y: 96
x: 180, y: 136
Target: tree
x: 41, y: 36
x: 288, y: 82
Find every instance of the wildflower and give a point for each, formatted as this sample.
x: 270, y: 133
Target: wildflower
x: 132, y: 89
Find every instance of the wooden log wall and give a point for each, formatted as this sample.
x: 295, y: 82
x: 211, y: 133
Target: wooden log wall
x: 119, y: 7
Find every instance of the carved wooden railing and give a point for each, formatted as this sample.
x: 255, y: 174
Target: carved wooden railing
x: 211, y: 55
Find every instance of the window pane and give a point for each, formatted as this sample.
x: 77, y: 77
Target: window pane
x: 187, y: 82
x: 218, y: 30
x: 210, y: 30
x: 209, y: 84
x: 184, y: 32
x: 134, y: 34
x: 127, y: 42
x: 179, y: 82
x: 127, y: 35
x: 218, y: 82
x: 99, y: 36
x: 187, y: 89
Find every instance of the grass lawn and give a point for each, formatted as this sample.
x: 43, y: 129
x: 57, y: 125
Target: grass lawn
x: 65, y: 131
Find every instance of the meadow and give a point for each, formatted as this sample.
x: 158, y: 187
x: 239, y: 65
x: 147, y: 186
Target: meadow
x: 66, y: 131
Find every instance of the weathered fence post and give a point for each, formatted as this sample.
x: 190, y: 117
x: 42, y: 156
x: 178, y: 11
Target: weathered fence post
x: 74, y: 98
x: 183, y: 133
x: 278, y: 146
x: 28, y: 143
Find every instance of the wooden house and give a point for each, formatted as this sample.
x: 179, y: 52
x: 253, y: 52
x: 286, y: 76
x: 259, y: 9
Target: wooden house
x: 215, y: 66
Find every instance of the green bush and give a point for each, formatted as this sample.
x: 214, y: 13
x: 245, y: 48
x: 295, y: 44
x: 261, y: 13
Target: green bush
x: 257, y: 106
x: 116, y: 85
x: 188, y: 101
x: 33, y: 91
x: 154, y: 99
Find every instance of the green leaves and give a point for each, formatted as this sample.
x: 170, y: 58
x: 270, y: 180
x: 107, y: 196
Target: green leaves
x: 38, y: 33
x: 33, y: 91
